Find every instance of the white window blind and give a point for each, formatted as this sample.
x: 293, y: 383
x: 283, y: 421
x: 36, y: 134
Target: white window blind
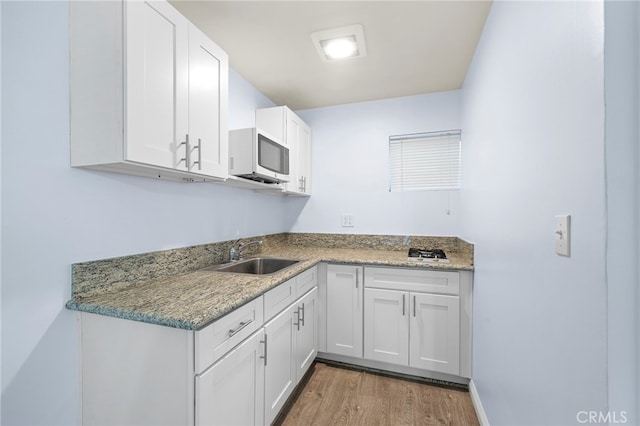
x: 425, y: 161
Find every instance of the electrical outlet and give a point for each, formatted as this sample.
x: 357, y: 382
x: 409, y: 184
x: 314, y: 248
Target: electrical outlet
x: 347, y: 221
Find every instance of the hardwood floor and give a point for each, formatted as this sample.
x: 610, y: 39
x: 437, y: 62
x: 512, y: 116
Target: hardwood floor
x: 340, y: 396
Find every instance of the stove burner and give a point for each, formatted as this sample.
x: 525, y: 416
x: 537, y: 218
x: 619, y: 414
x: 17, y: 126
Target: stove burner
x: 428, y: 255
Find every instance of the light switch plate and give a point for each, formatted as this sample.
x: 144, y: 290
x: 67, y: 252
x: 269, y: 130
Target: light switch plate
x: 563, y: 235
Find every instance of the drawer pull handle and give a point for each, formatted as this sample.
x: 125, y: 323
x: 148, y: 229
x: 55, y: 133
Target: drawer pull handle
x: 403, y: 304
x: 199, y: 148
x: 187, y: 153
x: 297, y: 324
x: 265, y: 349
x: 414, y: 305
x: 301, y: 320
x: 242, y: 325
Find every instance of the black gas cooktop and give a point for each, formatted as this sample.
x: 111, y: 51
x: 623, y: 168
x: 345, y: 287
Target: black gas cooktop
x: 428, y: 255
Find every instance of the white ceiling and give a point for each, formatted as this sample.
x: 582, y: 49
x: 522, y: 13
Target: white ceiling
x: 413, y: 47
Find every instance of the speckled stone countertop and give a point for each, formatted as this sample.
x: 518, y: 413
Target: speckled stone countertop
x: 190, y: 298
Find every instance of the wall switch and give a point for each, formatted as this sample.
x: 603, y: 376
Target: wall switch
x: 347, y: 221
x: 563, y: 234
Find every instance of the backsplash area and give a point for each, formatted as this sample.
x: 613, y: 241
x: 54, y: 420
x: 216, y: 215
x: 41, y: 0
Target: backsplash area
x: 378, y: 242
x: 102, y: 276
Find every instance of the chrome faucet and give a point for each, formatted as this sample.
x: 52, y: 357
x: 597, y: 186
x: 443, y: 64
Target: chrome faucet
x: 233, y: 256
x: 243, y: 246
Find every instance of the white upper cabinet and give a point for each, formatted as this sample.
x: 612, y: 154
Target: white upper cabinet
x: 295, y: 134
x: 149, y: 92
x: 157, y: 84
x: 208, y: 100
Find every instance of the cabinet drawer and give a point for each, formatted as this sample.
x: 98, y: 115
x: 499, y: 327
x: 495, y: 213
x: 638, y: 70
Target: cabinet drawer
x: 306, y: 281
x: 439, y: 282
x: 276, y: 299
x: 218, y: 338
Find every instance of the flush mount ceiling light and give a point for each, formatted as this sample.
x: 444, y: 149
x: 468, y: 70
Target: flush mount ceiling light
x: 340, y: 43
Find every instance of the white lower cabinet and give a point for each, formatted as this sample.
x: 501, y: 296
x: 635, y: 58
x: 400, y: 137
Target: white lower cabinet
x: 407, y: 320
x: 386, y: 325
x: 344, y: 309
x: 242, y: 368
x: 434, y: 333
x: 280, y: 370
x: 307, y: 333
x: 237, y: 370
x: 134, y: 373
x: 291, y: 338
x: 230, y: 367
x: 419, y: 318
x: 414, y: 329
x: 230, y: 392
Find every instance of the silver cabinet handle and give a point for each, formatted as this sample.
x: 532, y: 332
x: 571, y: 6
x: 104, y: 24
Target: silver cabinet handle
x: 297, y: 323
x: 199, y: 148
x: 403, y: 309
x: 265, y: 349
x: 242, y: 325
x: 187, y: 152
x: 414, y: 305
x: 357, y: 276
x: 301, y: 186
x: 301, y: 319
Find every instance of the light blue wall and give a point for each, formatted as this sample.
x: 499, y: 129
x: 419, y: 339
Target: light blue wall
x: 0, y: 203
x: 533, y: 120
x: 622, y: 72
x: 243, y: 101
x: 53, y: 215
x: 350, y: 168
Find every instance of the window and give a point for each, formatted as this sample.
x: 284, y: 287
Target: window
x: 424, y: 161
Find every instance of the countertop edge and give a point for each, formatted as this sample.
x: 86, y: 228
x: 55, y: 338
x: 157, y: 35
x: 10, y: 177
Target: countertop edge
x: 88, y: 307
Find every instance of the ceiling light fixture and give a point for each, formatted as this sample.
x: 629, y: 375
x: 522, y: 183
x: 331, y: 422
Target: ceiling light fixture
x: 340, y: 43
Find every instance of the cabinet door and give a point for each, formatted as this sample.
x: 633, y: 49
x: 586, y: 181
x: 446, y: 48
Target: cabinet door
x: 280, y: 369
x: 157, y: 64
x: 231, y: 391
x: 304, y: 159
x: 208, y: 82
x: 435, y: 332
x: 344, y: 310
x: 307, y: 327
x: 299, y: 142
x: 292, y: 127
x: 273, y: 121
x: 386, y: 325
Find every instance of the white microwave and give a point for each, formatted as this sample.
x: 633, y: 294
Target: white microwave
x: 255, y: 155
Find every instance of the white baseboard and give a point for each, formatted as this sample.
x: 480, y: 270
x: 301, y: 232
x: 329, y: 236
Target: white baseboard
x: 477, y: 404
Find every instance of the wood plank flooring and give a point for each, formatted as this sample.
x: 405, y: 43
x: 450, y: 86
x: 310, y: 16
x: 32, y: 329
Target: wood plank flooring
x: 340, y: 396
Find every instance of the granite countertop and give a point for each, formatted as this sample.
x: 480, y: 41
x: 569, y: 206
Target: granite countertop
x: 191, y: 300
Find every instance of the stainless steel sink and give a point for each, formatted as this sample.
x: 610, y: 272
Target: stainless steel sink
x: 255, y: 266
